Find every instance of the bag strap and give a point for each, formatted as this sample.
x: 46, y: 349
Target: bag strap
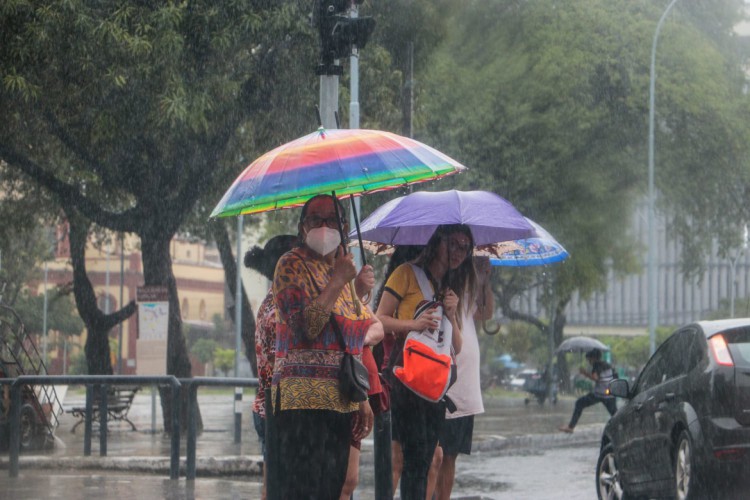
x: 423, y: 281
x: 334, y: 324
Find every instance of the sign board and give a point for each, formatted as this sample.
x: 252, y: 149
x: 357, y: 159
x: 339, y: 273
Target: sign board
x: 153, y: 327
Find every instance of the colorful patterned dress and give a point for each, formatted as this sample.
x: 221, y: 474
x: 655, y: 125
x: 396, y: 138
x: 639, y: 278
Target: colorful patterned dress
x: 307, y: 367
x: 265, y: 350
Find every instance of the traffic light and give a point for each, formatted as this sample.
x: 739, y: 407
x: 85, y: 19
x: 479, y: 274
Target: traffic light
x: 339, y: 33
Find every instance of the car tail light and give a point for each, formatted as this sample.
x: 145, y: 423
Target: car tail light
x: 730, y: 454
x: 720, y: 350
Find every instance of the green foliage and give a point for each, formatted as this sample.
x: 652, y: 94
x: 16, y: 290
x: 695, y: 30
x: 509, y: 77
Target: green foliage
x: 204, y: 349
x: 78, y: 365
x: 522, y: 341
x: 224, y: 359
x: 61, y: 313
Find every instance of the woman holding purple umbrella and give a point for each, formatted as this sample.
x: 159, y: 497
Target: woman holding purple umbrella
x: 447, y: 264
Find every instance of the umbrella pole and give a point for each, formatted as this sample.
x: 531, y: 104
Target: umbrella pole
x: 359, y: 234
x: 357, y: 306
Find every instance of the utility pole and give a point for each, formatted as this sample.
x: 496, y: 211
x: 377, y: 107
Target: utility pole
x: 651, y: 268
x: 238, y: 334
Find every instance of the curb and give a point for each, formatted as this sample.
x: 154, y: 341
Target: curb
x: 585, y: 434
x: 235, y: 465
x: 204, y: 466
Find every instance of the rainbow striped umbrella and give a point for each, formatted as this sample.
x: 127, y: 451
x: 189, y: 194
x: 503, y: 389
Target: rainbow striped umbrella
x: 347, y: 161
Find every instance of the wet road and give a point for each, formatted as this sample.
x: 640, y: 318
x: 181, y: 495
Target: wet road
x: 547, y: 469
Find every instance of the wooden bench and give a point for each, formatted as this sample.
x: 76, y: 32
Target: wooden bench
x: 118, y: 405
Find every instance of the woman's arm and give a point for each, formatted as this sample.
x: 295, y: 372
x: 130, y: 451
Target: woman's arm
x: 375, y: 332
x: 485, y: 303
x: 387, y: 310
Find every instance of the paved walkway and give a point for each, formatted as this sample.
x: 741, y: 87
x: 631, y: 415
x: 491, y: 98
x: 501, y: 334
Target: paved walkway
x: 137, y: 463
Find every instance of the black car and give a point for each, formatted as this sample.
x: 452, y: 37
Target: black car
x: 687, y: 422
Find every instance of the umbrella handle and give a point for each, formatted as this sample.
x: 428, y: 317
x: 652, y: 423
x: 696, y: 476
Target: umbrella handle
x: 492, y: 331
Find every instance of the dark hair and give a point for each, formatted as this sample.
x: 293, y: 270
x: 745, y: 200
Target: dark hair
x: 264, y: 259
x: 594, y: 354
x: 461, y: 279
x: 305, y: 207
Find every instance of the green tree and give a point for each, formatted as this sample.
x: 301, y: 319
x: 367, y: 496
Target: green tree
x: 548, y: 106
x: 24, y: 240
x: 204, y: 350
x: 224, y: 359
x: 129, y: 112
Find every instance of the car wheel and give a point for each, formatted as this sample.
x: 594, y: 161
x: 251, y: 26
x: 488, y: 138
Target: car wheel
x: 28, y: 427
x: 682, y: 467
x: 608, y: 486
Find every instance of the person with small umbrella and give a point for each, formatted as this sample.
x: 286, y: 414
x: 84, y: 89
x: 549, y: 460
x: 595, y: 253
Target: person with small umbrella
x: 316, y: 304
x: 602, y: 374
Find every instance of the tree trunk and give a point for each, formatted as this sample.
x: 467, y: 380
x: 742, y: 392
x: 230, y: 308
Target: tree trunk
x: 98, y: 324
x: 219, y: 232
x: 157, y: 271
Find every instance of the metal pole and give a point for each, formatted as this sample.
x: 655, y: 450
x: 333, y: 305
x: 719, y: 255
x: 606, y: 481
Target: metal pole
x: 652, y: 304
x: 122, y: 282
x: 354, y: 118
x: 732, y: 267
x: 44, y: 318
x: 238, y: 336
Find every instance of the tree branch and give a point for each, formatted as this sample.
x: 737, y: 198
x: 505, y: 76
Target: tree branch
x: 69, y: 195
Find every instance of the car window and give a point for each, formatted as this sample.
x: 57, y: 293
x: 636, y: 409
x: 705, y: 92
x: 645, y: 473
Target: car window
x: 652, y: 374
x: 678, y: 354
x: 698, y: 349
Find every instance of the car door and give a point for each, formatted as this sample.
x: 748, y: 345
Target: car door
x: 630, y: 435
x: 663, y: 406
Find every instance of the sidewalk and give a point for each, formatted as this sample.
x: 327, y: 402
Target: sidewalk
x: 137, y: 465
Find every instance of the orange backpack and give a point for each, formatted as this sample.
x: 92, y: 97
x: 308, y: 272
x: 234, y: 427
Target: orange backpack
x: 428, y: 364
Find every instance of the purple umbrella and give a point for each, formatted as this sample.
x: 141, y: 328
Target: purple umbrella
x: 412, y: 219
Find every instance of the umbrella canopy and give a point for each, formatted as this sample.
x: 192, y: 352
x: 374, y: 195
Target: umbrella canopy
x: 347, y: 161
x: 536, y: 251
x: 412, y: 219
x: 581, y: 344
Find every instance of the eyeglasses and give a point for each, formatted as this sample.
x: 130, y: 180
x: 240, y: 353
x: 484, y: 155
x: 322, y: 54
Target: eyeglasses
x: 458, y: 246
x: 315, y: 221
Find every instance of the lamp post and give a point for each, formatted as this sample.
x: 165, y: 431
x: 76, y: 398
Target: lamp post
x: 44, y: 318
x: 651, y: 271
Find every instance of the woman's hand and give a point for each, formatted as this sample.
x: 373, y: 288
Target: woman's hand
x: 483, y: 268
x: 428, y: 320
x: 344, y: 269
x: 450, y: 303
x: 365, y: 281
x: 365, y: 420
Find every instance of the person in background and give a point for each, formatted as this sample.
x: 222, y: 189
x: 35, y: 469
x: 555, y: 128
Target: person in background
x: 264, y: 261
x: 375, y: 405
x: 375, y: 401
x: 417, y: 422
x: 312, y: 290
x: 458, y: 429
x: 602, y: 374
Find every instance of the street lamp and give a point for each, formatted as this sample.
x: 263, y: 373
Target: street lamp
x: 652, y: 306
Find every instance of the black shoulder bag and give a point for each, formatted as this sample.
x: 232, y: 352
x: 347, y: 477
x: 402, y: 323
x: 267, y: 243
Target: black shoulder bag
x: 354, y: 380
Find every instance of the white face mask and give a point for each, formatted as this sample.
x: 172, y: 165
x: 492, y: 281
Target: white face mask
x: 323, y: 240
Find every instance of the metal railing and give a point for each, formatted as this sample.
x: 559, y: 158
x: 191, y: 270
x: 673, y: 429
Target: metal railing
x: 382, y: 436
x: 103, y: 382
x: 192, y: 385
